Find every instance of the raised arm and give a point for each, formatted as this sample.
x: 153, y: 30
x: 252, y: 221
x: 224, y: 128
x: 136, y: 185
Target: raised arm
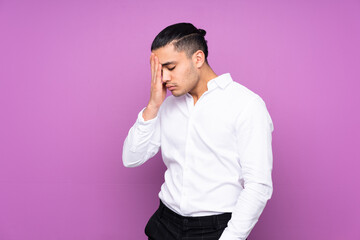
x: 143, y: 139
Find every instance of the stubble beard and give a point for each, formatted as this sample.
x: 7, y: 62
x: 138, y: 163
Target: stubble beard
x: 192, y: 78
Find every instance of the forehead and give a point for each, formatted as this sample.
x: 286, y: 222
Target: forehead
x: 169, y: 54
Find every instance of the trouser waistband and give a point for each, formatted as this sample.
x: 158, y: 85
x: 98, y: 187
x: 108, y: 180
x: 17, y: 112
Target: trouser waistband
x: 202, y: 221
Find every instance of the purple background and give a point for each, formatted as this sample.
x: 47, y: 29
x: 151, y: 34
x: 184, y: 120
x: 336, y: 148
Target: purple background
x: 74, y: 75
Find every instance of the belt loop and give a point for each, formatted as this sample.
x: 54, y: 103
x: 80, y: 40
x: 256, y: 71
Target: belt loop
x: 162, y: 206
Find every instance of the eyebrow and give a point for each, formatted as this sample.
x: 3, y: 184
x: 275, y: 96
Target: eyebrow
x: 168, y: 63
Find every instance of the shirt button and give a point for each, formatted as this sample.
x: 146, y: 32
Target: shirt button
x: 185, y: 221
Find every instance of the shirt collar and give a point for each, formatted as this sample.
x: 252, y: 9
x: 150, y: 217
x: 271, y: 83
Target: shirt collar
x: 220, y: 81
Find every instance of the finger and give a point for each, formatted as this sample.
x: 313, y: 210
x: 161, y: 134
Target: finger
x: 151, y: 55
x: 152, y: 62
x: 158, y: 74
x: 156, y: 68
x: 152, y: 59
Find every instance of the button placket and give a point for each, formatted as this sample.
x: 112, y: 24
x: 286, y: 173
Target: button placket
x: 186, y: 172
x: 184, y: 192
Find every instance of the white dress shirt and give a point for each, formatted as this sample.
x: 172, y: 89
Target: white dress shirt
x: 217, y: 152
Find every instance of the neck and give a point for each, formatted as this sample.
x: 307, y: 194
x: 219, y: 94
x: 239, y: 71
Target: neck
x: 206, y: 75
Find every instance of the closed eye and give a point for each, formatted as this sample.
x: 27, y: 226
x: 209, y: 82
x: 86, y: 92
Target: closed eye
x: 170, y: 69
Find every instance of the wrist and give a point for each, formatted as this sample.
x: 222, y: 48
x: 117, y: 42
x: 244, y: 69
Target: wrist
x: 150, y: 112
x: 153, y: 106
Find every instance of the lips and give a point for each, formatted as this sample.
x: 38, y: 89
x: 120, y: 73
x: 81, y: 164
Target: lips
x: 170, y: 87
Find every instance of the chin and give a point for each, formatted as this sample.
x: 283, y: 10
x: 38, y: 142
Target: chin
x: 177, y: 94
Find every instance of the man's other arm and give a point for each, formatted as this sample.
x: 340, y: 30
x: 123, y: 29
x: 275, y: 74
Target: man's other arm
x: 254, y: 129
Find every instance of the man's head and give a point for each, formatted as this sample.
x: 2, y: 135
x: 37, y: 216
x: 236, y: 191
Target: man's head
x: 182, y: 51
x: 184, y: 36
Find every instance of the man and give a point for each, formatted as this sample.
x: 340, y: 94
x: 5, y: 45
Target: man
x: 215, y: 139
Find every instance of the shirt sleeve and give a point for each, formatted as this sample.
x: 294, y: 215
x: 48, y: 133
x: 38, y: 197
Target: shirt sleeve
x: 253, y: 128
x: 142, y: 141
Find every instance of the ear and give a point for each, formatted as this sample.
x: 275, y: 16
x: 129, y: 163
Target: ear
x: 198, y: 58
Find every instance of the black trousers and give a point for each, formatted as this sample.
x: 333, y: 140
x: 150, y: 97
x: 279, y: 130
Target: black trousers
x: 165, y: 224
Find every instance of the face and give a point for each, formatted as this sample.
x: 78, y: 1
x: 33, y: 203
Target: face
x: 179, y: 73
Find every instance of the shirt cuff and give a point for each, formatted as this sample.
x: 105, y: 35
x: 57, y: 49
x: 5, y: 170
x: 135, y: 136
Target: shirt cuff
x: 147, y: 125
x: 227, y: 235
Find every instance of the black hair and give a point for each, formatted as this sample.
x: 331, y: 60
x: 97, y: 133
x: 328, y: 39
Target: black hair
x: 184, y: 36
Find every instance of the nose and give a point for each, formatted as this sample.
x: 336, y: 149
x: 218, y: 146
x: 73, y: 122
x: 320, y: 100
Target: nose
x: 165, y: 75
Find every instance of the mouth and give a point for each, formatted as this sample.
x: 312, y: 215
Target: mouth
x: 170, y: 87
